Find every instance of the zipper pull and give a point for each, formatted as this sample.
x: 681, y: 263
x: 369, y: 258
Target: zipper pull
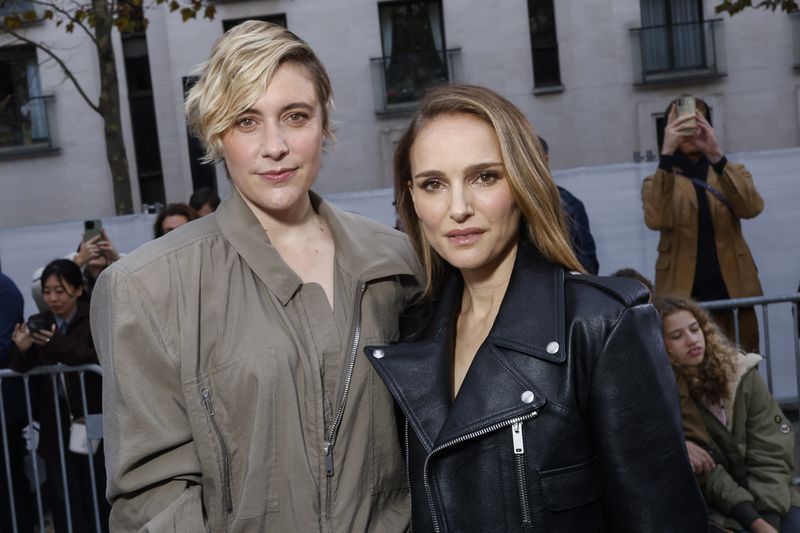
x: 328, y: 449
x: 516, y: 435
x: 207, y: 402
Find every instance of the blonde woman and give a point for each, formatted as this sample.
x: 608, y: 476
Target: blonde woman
x: 536, y: 398
x: 749, y: 486
x: 236, y: 395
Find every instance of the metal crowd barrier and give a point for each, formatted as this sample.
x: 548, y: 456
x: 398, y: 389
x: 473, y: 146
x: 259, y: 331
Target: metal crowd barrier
x: 93, y: 432
x: 734, y: 305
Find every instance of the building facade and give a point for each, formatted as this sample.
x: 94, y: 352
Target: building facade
x: 594, y: 77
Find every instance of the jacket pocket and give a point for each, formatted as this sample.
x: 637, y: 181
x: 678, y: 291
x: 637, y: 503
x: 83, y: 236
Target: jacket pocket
x: 235, y: 429
x: 572, y: 486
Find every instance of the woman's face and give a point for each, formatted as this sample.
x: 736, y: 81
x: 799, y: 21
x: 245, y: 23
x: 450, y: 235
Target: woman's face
x: 171, y: 222
x: 61, y: 297
x: 461, y: 194
x: 274, y: 149
x: 683, y: 338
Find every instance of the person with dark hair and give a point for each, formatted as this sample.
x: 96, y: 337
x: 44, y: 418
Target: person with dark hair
x: 638, y: 276
x: 11, y: 306
x: 697, y: 200
x: 536, y: 397
x: 580, y: 235
x: 62, y: 334
x: 204, y: 200
x: 173, y: 216
x: 749, y: 464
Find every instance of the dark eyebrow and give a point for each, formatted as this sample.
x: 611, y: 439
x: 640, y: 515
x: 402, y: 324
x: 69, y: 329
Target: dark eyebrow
x: 428, y: 174
x: 478, y: 167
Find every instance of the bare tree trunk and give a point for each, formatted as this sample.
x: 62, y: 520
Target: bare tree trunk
x: 110, y: 109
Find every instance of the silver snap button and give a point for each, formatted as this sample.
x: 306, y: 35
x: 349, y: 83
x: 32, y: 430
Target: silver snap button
x: 378, y: 354
x: 527, y: 397
x: 552, y: 347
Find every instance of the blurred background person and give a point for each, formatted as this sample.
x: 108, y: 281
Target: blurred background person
x: 15, y: 412
x: 750, y: 468
x: 204, y: 200
x: 92, y: 257
x: 62, y: 335
x: 580, y: 235
x: 696, y: 199
x: 173, y: 216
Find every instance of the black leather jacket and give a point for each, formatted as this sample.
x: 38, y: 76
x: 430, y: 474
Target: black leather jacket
x: 567, y: 420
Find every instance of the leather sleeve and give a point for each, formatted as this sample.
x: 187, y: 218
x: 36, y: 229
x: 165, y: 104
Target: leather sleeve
x: 154, y: 473
x: 657, y: 194
x: 636, y: 428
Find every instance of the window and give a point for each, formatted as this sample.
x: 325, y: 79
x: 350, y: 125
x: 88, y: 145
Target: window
x: 23, y: 113
x: 544, y: 44
x: 672, y: 35
x: 279, y: 19
x: 414, y: 53
x: 203, y: 174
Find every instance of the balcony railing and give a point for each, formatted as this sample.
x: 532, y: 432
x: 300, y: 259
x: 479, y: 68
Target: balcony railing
x: 688, y: 51
x: 26, y: 126
x: 399, y: 81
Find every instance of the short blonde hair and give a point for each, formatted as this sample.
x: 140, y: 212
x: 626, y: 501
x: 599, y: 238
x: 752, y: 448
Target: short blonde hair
x: 241, y: 65
x: 534, y: 191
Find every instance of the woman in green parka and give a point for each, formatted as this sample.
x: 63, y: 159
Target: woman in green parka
x: 748, y: 482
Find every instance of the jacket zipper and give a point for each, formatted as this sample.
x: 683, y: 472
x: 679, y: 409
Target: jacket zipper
x: 330, y: 436
x: 519, y: 462
x: 408, y: 480
x: 494, y: 427
x: 227, y: 500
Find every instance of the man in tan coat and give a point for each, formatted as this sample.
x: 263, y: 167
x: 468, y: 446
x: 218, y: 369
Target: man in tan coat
x: 696, y: 199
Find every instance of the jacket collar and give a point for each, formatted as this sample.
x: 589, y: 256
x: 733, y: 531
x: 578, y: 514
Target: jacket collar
x: 530, y: 319
x: 358, y: 250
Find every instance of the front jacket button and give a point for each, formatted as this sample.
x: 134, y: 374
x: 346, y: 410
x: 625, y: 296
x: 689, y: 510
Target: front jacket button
x: 378, y: 354
x: 527, y: 397
x: 552, y: 347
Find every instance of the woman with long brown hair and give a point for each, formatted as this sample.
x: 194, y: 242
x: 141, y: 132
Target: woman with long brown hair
x: 749, y: 484
x: 536, y: 398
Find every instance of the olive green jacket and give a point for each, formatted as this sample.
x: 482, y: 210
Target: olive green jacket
x: 213, y: 407
x: 758, y: 450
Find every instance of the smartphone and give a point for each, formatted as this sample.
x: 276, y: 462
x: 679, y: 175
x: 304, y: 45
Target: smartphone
x: 92, y: 228
x: 686, y: 106
x: 35, y: 325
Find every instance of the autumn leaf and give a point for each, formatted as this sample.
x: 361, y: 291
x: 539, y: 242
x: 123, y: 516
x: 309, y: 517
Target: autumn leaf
x: 174, y: 6
x: 188, y: 13
x: 210, y: 11
x: 48, y: 14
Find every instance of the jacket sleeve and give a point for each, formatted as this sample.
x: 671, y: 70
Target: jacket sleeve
x: 737, y: 185
x: 636, y: 425
x: 657, y: 194
x: 770, y: 453
x: 154, y: 474
x: 68, y: 350
x: 724, y: 494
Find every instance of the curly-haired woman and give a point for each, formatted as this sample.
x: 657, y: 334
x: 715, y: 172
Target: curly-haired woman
x: 751, y: 460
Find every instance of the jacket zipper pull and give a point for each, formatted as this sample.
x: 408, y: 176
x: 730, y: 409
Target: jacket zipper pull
x: 328, y: 449
x: 516, y: 435
x: 207, y: 402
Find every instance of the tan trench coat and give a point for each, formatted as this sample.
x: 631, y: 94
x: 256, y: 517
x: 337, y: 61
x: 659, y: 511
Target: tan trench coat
x: 213, y: 412
x: 670, y: 206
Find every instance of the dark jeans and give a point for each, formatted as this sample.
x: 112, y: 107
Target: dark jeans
x: 80, y: 492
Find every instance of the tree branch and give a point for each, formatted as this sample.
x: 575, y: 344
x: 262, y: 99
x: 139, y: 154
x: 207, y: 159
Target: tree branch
x: 63, y: 66
x: 68, y: 15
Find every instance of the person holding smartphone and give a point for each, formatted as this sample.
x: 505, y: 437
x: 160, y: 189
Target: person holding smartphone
x: 62, y: 334
x: 697, y: 199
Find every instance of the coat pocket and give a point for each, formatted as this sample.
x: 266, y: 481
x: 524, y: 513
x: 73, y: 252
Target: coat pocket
x: 572, y: 486
x: 235, y: 429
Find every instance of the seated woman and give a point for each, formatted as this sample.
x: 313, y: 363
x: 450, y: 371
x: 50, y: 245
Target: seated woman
x: 536, y: 398
x: 62, y: 335
x: 751, y: 486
